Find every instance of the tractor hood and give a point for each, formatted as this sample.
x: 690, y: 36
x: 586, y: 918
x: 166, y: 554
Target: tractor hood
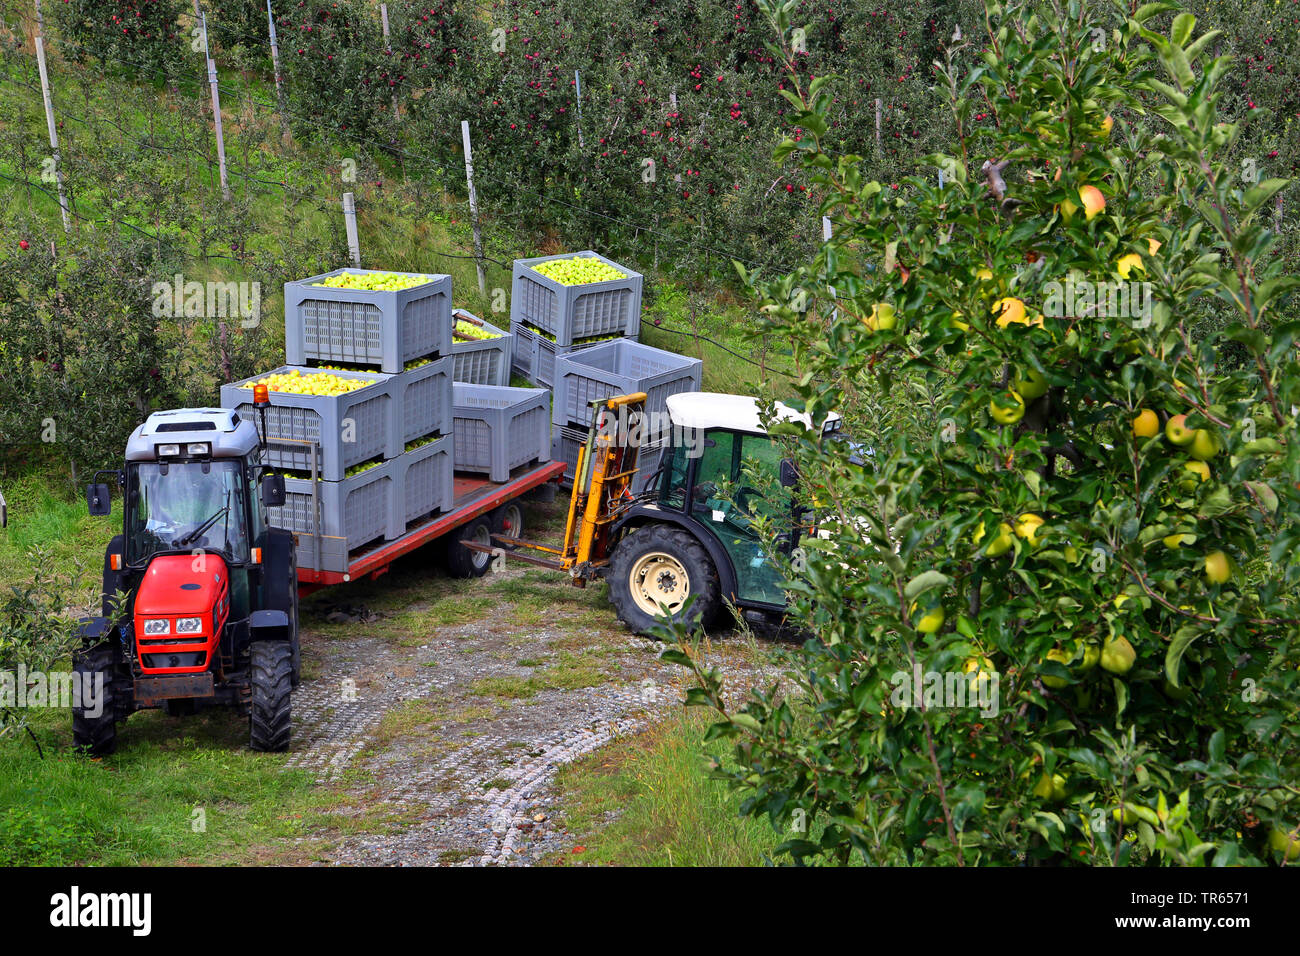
x: 181, y: 606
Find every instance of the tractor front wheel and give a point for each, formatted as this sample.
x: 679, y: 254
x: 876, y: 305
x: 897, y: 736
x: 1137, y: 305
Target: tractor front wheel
x: 94, y: 719
x: 658, y: 565
x: 270, y: 720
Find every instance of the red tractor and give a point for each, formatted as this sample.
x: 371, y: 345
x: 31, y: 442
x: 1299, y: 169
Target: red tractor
x: 200, y: 603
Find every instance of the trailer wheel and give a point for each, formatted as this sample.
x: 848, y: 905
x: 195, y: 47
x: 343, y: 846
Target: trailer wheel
x: 461, y: 561
x: 508, y: 520
x: 96, y: 733
x: 657, y: 564
x: 270, y: 719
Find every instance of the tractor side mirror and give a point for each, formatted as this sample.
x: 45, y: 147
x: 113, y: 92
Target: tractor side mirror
x: 273, y: 490
x: 97, y: 500
x: 789, y: 473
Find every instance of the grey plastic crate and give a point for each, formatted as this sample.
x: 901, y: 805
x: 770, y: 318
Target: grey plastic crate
x: 381, y: 502
x: 348, y: 429
x: 621, y: 367
x: 353, y: 512
x: 485, y: 361
x: 422, y: 401
x: 566, y: 441
x: 497, y: 428
x: 534, y: 356
x: 328, y: 326
x: 573, y: 312
x: 427, y: 482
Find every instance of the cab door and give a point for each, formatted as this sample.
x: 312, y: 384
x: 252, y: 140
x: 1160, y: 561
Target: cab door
x: 724, y: 500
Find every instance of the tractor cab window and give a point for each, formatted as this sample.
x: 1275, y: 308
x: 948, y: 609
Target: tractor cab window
x: 731, y: 464
x: 735, y: 482
x: 186, y: 506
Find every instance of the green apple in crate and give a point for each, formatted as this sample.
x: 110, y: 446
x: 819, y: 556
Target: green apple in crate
x: 579, y: 270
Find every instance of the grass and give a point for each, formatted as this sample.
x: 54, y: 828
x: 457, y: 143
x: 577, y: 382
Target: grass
x: 648, y: 801
x: 68, y: 539
x: 138, y: 807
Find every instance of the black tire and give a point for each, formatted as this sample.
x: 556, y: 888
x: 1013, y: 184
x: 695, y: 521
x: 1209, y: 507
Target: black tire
x: 96, y: 735
x: 270, y: 719
x: 508, y: 520
x: 667, y: 554
x: 461, y: 561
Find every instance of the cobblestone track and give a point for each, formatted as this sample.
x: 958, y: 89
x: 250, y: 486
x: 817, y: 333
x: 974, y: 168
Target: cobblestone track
x: 468, y: 790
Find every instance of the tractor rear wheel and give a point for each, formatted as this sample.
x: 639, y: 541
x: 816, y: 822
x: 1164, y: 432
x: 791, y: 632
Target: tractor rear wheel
x: 657, y: 565
x: 94, y: 728
x: 270, y: 719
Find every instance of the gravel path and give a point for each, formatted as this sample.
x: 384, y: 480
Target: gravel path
x: 455, y: 742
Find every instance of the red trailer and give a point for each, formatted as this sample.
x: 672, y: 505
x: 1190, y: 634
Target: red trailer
x: 482, y: 508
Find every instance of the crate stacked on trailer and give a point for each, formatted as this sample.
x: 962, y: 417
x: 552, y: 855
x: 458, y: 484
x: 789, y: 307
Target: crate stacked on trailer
x: 499, y: 429
x: 481, y: 352
x: 360, y: 417
x: 566, y: 303
x: 620, y: 367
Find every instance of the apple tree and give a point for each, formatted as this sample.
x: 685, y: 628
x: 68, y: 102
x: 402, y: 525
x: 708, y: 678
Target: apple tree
x: 1091, y: 511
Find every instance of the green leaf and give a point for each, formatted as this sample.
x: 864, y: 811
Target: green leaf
x: 1177, y: 647
x: 1182, y: 29
x: 747, y: 722
x: 925, y: 581
x: 1257, y: 195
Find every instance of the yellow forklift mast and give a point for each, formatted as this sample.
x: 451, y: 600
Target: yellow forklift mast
x: 602, y: 489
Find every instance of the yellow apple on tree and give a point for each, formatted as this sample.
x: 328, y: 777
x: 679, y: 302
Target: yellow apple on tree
x: 883, y: 317
x: 1007, y: 408
x: 1196, y: 472
x: 1177, y: 432
x: 1031, y: 385
x: 1050, y: 788
x: 931, y: 618
x: 1146, y: 424
x: 1027, y: 526
x: 1092, y: 200
x: 1204, y: 445
x: 1117, y: 655
x: 1286, y: 842
x: 1218, y: 567
x: 1126, y: 264
x: 1062, y: 657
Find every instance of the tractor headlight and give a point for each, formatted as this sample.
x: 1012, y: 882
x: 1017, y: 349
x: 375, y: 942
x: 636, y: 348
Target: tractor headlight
x: 168, y: 451
x: 198, y: 449
x: 188, y: 625
x: 158, y: 625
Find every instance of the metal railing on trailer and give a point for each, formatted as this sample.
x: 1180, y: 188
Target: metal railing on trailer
x: 475, y: 495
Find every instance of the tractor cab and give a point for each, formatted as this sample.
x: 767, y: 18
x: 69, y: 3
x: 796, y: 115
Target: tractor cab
x: 699, y: 535
x: 198, y: 587
x: 693, y: 532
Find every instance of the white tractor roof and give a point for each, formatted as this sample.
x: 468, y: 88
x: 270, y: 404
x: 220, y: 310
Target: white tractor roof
x: 704, y: 410
x: 222, y: 428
